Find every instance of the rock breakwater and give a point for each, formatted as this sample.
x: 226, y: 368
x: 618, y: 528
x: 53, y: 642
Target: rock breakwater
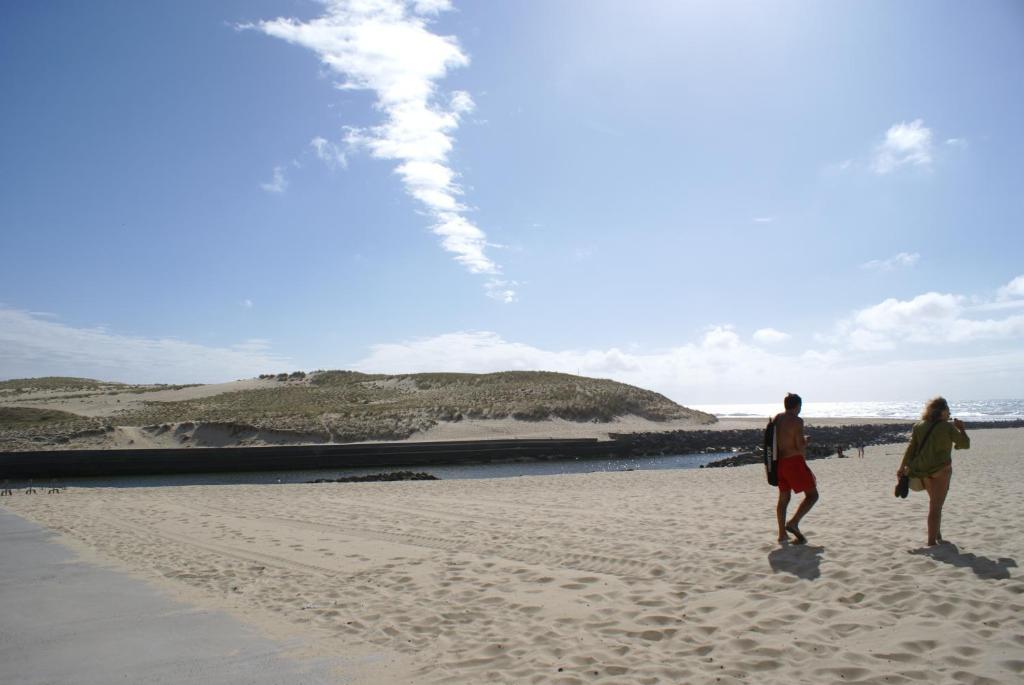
x: 824, y: 441
x: 379, y: 477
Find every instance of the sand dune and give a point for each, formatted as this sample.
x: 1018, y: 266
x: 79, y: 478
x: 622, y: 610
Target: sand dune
x: 329, y: 407
x: 633, y: 577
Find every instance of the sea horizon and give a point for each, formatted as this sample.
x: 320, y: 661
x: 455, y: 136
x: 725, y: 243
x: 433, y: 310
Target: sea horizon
x: 966, y: 410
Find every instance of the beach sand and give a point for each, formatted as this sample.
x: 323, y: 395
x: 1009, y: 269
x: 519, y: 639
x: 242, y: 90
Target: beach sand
x: 630, y: 577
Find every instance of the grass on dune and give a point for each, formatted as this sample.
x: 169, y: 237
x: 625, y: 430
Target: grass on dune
x: 63, y: 383
x: 357, y: 406
x: 348, y: 406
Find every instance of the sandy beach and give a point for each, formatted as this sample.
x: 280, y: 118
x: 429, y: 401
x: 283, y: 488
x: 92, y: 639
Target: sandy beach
x: 631, y: 577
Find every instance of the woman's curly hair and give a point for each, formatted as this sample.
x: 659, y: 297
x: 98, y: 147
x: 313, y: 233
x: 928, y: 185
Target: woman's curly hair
x: 933, y: 410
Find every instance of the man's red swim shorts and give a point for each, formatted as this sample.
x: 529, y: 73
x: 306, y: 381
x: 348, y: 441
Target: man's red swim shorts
x: 794, y: 474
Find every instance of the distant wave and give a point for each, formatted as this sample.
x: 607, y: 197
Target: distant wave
x: 967, y: 410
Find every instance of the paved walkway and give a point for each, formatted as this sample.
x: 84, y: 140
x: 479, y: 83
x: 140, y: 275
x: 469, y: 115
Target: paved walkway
x: 66, y: 621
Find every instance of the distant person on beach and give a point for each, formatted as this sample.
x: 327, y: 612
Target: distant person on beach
x: 794, y: 475
x: 928, y: 459
x: 860, y: 449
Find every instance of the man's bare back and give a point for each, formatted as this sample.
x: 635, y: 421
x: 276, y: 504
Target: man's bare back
x: 789, y: 435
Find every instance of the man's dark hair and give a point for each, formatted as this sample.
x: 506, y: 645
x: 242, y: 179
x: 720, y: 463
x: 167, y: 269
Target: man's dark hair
x: 792, y: 401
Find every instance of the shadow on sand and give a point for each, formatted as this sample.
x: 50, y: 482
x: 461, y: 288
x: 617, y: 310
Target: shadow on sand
x: 803, y: 561
x: 983, y: 567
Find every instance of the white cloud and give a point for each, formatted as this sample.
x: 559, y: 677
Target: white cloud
x: 770, y: 336
x: 329, y: 153
x: 720, y: 338
x: 385, y: 46
x: 35, y: 346
x: 1013, y: 289
x: 278, y: 184
x: 998, y: 305
x: 715, y: 367
x: 904, y: 144
x: 716, y: 363
x: 929, y: 319
x: 920, y: 318
x: 894, y: 349
x: 431, y: 6
x: 503, y: 291
x: 247, y: 303
x: 763, y: 219
x: 719, y: 367
x: 957, y: 142
x: 898, y: 260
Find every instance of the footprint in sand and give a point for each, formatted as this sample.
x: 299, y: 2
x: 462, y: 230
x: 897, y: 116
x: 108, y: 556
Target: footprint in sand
x: 899, y: 657
x: 1013, y: 665
x: 919, y: 646
x: 974, y: 678
x: 657, y: 620
x: 848, y: 674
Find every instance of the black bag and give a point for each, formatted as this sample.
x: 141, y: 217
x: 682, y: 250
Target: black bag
x: 771, y: 457
x: 902, y: 487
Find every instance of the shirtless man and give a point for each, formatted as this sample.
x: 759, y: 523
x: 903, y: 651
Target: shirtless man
x: 793, y: 472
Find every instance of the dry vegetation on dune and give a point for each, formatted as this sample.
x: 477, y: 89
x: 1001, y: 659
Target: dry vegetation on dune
x: 76, y: 387
x: 52, y: 383
x: 22, y: 427
x: 347, y: 406
x: 353, y: 406
x: 27, y: 417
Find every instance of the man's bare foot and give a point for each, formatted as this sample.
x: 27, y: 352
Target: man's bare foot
x: 783, y: 539
x: 792, y: 528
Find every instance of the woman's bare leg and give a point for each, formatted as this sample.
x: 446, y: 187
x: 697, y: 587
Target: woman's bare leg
x: 937, y: 486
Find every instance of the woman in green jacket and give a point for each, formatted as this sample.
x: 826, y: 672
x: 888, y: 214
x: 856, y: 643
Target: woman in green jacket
x: 928, y: 459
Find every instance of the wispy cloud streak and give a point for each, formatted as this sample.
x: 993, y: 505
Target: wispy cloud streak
x: 385, y: 46
x: 278, y: 184
x: 904, y: 144
x: 902, y: 259
x: 329, y: 153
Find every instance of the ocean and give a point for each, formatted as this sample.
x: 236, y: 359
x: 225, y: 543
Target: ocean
x: 965, y: 410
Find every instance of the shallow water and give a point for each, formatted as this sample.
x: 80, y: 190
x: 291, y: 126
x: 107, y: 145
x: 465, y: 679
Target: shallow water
x: 445, y: 472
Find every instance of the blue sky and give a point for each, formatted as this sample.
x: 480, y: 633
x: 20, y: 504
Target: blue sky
x: 720, y: 201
